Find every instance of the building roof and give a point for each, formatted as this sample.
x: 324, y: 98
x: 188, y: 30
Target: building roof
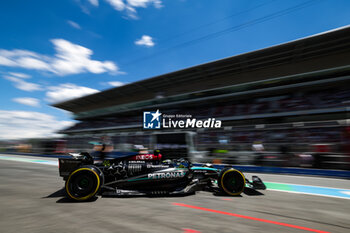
x: 248, y: 67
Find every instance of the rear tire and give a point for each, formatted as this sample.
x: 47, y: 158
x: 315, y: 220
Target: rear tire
x: 84, y: 183
x: 231, y: 181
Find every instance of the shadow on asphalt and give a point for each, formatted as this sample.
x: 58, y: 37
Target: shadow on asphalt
x: 247, y: 191
x: 220, y: 194
x: 252, y: 192
x: 68, y: 200
x: 149, y: 196
x: 61, y: 193
x: 58, y: 193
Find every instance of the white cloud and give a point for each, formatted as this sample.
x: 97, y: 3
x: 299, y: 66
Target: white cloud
x: 94, y: 2
x: 69, y: 59
x: 86, y: 5
x: 23, y: 59
x: 145, y: 41
x: 23, y: 85
x: 26, y: 124
x: 116, y: 83
x: 118, y: 5
x: 32, y: 63
x: 130, y: 5
x: 19, y: 75
x: 144, y: 3
x: 73, y: 24
x: 27, y: 101
x: 73, y: 59
x: 67, y: 91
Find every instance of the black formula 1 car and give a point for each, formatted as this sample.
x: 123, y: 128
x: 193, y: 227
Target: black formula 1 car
x: 147, y: 174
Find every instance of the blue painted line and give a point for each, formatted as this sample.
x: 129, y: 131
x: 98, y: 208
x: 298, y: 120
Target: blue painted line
x: 307, y: 189
x: 322, y: 191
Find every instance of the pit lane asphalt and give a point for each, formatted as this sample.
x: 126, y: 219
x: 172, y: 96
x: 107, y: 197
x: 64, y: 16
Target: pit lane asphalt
x: 31, y: 201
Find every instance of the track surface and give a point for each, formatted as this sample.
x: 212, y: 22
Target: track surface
x: 31, y: 201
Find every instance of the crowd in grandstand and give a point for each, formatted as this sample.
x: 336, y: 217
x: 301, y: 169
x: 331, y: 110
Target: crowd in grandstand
x: 303, y: 135
x: 282, y: 103
x: 261, y: 105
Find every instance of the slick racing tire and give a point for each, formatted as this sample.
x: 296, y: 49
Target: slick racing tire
x: 84, y: 183
x: 231, y: 181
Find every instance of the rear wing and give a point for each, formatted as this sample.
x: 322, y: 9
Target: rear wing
x: 66, y: 166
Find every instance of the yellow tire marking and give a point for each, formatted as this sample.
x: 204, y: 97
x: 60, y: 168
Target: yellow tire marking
x: 222, y: 182
x: 91, y: 194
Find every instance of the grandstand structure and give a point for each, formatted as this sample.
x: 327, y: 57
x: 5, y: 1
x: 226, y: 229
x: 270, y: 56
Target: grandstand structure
x: 295, y: 94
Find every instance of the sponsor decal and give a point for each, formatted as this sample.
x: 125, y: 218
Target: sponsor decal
x: 157, y: 166
x: 144, y: 157
x: 157, y: 120
x: 166, y: 175
x: 136, y: 161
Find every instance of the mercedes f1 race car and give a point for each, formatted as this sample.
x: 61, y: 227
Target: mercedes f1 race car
x: 147, y: 174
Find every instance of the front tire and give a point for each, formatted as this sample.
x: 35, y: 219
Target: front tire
x: 84, y: 183
x: 231, y: 181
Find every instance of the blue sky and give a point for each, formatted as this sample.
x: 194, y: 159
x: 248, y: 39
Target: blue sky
x: 55, y: 50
